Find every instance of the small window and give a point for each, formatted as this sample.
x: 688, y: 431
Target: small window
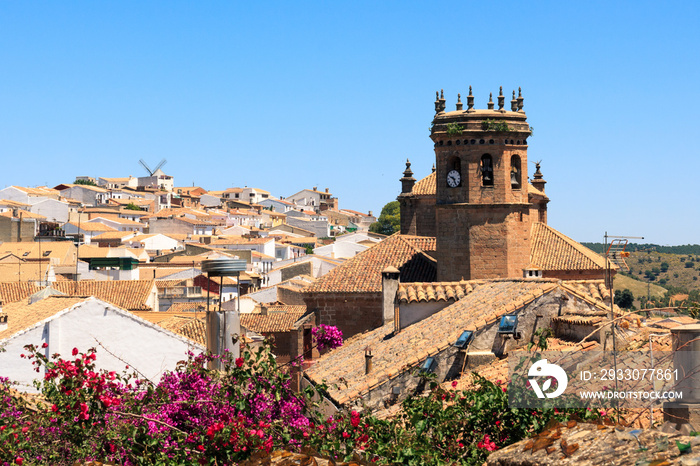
x: 46, y: 253
x: 25, y: 254
x: 486, y: 170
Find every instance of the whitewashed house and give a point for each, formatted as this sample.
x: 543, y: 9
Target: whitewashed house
x: 155, y: 242
x: 64, y: 323
x: 53, y: 210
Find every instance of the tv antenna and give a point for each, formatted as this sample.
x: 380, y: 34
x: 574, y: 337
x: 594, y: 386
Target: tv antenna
x: 148, y: 169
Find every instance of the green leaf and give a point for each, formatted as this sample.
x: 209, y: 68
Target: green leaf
x: 420, y: 427
x: 683, y: 447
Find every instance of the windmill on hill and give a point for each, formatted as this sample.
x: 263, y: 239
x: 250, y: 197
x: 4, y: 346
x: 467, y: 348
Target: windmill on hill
x: 148, y: 169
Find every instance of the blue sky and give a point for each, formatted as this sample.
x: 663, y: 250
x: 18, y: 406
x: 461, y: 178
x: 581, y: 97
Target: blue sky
x: 289, y: 95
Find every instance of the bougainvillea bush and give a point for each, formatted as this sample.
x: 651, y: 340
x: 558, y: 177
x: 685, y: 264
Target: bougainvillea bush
x: 195, y: 415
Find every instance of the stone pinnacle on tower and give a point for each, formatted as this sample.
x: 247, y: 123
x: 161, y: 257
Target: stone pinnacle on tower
x: 514, y: 104
x: 538, y: 181
x: 407, y: 181
x: 489, y: 105
x: 501, y: 99
x: 520, y: 100
x: 470, y: 101
x: 459, y: 102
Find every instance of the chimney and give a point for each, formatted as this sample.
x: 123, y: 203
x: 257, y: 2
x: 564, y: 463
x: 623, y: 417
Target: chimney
x: 368, y: 360
x: 370, y: 213
x: 315, y: 188
x: 390, y: 285
x: 685, y: 344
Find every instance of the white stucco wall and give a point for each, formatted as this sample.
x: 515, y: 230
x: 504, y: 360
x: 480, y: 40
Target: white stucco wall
x: 343, y: 249
x: 53, y: 210
x: 145, y: 347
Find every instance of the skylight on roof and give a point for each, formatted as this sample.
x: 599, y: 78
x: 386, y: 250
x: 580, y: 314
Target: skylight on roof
x: 464, y: 339
x: 508, y: 325
x: 428, y: 366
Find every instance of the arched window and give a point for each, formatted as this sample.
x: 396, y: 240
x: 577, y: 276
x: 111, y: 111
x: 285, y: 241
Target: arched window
x: 486, y: 170
x: 515, y: 173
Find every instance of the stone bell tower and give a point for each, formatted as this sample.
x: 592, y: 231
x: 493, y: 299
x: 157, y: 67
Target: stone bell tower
x: 482, y: 209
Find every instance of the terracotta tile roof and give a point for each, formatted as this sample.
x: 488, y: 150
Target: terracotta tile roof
x: 126, y: 294
x: 23, y: 214
x: 59, y: 252
x: 38, y: 191
x: 272, y: 322
x: 93, y: 226
x: 188, y: 307
x: 188, y: 324
x: 260, y: 255
x: 10, y: 203
x: 11, y: 292
x: 670, y: 322
x: 88, y: 251
x: 362, y: 273
x: 112, y: 235
x: 194, y: 329
x: 161, y: 284
x: 639, y: 340
x: 116, y: 219
x: 354, y: 212
x: 497, y: 371
x: 426, y: 186
x: 531, y: 190
x: 592, y: 291
x: 194, y: 222
x: 551, y: 250
x: 86, y: 186
x: 236, y: 240
x: 578, y: 319
x: 436, y: 291
x: 396, y: 353
x: 276, y: 308
x: 22, y: 315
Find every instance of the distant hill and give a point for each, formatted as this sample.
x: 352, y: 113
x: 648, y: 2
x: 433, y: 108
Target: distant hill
x: 638, y: 288
x: 675, y: 268
x: 633, y: 247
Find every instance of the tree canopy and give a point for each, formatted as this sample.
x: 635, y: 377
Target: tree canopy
x: 389, y: 221
x: 84, y: 181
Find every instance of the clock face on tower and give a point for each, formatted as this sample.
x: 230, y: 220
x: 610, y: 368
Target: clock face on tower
x: 453, y: 178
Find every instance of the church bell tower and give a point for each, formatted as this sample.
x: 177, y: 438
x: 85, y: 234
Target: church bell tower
x: 482, y: 209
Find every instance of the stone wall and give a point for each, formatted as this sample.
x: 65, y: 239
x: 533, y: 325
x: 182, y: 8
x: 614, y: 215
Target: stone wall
x: 352, y: 313
x: 417, y: 215
x: 291, y: 271
x: 482, y: 241
x: 289, y: 295
x: 12, y: 230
